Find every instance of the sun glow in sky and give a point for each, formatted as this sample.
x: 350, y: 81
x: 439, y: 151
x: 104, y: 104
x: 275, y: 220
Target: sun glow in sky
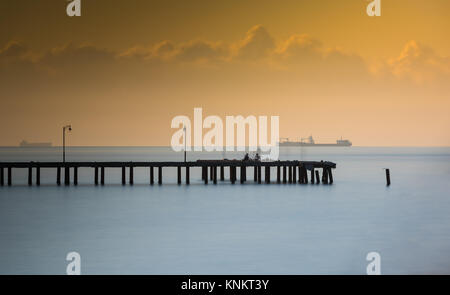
x: 124, y: 69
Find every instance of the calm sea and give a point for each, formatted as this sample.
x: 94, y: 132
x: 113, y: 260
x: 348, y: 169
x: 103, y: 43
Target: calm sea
x: 231, y: 229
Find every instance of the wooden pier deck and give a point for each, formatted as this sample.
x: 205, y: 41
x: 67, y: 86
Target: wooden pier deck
x: 212, y: 170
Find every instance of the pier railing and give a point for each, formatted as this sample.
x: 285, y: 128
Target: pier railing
x: 287, y: 171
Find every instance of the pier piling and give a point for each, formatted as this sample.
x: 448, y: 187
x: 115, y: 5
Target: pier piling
x: 75, y: 175
x: 203, y: 172
x: 233, y: 174
x: 214, y: 174
x: 294, y: 173
x: 58, y: 176
x: 30, y: 175
x: 152, y: 176
x: 160, y: 175
x: 179, y: 174
x: 187, y: 175
x: 290, y: 174
x: 95, y: 175
x: 102, y: 176
x: 317, y: 177
x: 123, y: 176
x: 388, y: 177
x: 222, y: 173
x: 66, y: 175
x: 2, y: 176
x: 324, y: 176
x: 284, y: 175
x: 301, y: 177
x: 330, y: 175
x: 38, y: 175
x: 312, y: 176
x: 131, y: 175
x: 278, y: 174
x: 9, y: 176
x: 259, y: 175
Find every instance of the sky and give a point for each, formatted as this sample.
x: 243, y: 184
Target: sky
x: 122, y: 70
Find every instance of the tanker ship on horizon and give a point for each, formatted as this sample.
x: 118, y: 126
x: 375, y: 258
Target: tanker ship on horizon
x: 310, y: 142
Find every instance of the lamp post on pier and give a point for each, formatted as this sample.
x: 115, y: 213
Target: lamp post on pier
x: 184, y: 129
x: 68, y: 128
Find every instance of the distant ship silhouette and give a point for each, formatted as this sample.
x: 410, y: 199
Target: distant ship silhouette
x: 310, y: 142
x: 25, y: 143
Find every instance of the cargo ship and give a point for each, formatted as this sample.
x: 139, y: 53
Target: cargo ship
x: 25, y: 143
x: 309, y: 141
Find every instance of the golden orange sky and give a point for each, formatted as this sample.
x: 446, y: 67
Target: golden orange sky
x: 124, y: 69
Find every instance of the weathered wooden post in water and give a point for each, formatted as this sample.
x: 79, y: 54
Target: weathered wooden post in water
x: 2, y: 176
x: 179, y: 175
x: 317, y: 177
x: 388, y: 177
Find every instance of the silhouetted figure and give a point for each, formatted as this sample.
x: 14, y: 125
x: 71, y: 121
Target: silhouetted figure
x: 257, y: 157
x: 246, y: 158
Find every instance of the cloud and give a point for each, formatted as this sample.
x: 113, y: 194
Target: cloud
x: 258, y: 43
x: 299, y: 54
x: 77, y: 56
x: 300, y: 46
x: 201, y: 51
x: 191, y: 51
x: 419, y: 63
x: 307, y: 55
x: 13, y: 49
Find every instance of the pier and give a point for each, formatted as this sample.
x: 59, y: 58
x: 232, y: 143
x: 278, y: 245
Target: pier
x: 211, y: 170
